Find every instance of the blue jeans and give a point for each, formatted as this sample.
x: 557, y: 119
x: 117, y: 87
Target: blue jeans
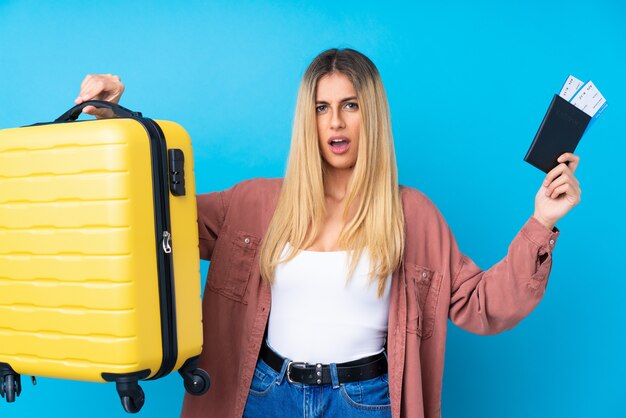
x: 272, y: 395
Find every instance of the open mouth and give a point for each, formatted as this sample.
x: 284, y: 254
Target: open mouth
x: 339, y: 145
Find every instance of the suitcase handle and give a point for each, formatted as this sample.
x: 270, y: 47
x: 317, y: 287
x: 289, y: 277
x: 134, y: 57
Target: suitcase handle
x: 73, y: 114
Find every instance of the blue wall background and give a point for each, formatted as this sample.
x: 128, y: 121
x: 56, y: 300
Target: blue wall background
x: 468, y: 85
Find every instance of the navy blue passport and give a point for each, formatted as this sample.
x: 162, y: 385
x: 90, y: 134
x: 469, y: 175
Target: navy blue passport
x: 560, y: 131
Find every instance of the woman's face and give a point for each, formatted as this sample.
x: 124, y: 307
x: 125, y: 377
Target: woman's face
x: 338, y: 120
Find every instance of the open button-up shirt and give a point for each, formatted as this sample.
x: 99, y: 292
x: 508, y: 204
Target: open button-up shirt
x: 434, y: 282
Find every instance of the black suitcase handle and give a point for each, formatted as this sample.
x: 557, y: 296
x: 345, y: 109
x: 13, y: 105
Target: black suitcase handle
x: 74, y: 113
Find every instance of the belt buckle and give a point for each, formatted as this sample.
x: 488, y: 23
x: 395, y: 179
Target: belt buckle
x: 291, y: 363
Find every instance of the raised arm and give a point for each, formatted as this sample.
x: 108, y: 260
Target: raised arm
x: 491, y: 301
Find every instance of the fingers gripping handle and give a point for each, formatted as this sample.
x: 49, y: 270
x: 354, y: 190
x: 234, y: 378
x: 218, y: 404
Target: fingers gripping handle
x: 74, y: 113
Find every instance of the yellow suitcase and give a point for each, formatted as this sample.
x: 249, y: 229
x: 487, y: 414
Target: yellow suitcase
x: 99, y: 266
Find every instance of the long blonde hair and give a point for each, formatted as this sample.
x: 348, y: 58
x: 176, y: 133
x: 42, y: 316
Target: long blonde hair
x: 378, y: 224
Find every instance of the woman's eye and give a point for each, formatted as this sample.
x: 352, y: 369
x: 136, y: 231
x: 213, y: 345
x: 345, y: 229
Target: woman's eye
x: 352, y: 106
x: 320, y: 108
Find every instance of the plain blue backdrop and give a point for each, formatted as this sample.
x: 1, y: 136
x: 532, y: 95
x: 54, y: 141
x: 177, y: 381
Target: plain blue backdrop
x: 468, y: 84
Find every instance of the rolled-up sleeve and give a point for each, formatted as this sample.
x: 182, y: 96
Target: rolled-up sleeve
x: 494, y: 300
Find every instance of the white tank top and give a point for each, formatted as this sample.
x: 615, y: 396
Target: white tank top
x: 318, y: 317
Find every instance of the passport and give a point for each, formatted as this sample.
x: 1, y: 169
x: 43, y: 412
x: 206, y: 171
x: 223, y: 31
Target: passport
x: 568, y: 117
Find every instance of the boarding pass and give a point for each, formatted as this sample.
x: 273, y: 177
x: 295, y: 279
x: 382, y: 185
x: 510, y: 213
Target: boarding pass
x: 584, y: 95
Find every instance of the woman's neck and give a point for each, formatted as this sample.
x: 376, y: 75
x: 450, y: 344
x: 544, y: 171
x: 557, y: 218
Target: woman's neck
x: 335, y: 193
x: 336, y: 183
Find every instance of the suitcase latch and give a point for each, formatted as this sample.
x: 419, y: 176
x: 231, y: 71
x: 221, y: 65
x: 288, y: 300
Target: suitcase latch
x: 167, y: 242
x: 177, y: 171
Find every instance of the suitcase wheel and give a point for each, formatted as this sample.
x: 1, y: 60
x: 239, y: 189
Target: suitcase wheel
x: 11, y: 386
x: 131, y: 395
x: 197, y: 382
x: 132, y: 405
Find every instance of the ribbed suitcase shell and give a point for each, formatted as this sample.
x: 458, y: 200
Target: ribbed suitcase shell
x: 79, y: 294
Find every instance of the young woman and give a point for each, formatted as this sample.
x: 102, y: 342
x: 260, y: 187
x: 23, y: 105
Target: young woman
x: 360, y: 274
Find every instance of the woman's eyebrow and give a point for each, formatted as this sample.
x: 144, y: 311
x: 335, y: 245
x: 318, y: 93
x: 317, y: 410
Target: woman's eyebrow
x: 347, y: 99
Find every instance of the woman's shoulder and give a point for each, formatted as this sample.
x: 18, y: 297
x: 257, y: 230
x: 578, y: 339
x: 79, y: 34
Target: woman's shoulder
x: 417, y: 206
x: 259, y: 185
x: 425, y: 226
x: 246, y: 193
x: 256, y: 191
x: 414, y: 198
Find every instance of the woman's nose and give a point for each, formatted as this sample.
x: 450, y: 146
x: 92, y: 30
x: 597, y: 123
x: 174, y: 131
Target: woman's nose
x: 337, y: 121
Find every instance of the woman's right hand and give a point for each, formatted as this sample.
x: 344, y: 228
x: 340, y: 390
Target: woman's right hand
x: 100, y: 87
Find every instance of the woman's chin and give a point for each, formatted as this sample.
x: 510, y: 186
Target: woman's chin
x: 339, y: 165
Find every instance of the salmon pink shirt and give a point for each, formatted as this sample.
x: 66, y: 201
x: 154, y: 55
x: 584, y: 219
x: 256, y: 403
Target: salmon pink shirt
x: 434, y: 282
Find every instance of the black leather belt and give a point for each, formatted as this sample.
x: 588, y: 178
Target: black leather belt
x: 319, y: 374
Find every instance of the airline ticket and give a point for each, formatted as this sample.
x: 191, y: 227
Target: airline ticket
x: 584, y: 96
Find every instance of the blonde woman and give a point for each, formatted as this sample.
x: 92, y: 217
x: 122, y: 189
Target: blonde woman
x: 329, y: 291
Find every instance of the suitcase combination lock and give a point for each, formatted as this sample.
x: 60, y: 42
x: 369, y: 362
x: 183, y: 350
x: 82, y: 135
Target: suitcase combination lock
x: 177, y: 171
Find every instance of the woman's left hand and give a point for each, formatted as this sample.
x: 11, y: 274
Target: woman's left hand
x: 559, y: 193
